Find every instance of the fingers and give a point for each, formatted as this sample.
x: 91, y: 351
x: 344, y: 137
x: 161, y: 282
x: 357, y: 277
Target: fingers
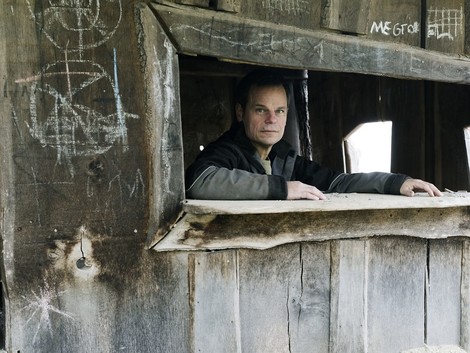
x: 411, y: 185
x: 314, y: 195
x: 297, y: 190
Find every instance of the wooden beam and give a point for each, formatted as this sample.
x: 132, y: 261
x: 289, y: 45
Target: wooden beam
x: 161, y: 73
x: 257, y: 227
x: 230, y: 37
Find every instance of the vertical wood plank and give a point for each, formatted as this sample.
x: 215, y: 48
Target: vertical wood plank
x: 303, y: 14
x: 445, y: 26
x: 161, y: 73
x: 206, y: 111
x: 268, y: 285
x: 310, y: 312
x: 395, y: 294
x: 467, y: 26
x: 284, y: 299
x: 348, y: 296
x: 403, y: 103
x: 229, y: 5
x: 443, y: 292
x: 199, y: 3
x: 348, y: 16
x: 465, y: 297
x: 215, y: 302
x: 448, y: 117
x: 339, y: 102
x: 395, y: 21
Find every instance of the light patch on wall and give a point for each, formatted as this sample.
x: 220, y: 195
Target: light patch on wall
x: 79, y: 259
x: 466, y: 132
x: 368, y: 148
x: 41, y: 307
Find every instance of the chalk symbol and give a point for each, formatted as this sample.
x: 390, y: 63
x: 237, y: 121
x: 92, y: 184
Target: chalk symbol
x: 444, y: 23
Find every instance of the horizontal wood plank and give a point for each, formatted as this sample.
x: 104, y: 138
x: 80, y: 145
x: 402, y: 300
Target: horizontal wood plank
x: 334, y: 202
x: 264, y: 230
x: 230, y: 37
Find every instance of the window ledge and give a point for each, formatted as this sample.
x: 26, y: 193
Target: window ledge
x: 215, y: 225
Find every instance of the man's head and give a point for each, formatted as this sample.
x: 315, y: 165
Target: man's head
x: 261, y: 105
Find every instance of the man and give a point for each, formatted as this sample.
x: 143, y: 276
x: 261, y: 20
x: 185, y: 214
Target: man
x: 251, y: 161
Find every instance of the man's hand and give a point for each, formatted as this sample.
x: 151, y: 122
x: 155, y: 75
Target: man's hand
x: 297, y: 190
x: 409, y: 187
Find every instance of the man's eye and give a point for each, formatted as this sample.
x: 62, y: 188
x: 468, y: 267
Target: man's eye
x: 280, y: 112
x: 260, y: 110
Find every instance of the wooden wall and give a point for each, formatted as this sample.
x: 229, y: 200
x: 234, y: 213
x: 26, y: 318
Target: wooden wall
x: 92, y: 165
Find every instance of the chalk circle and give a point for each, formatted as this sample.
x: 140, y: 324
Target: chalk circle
x: 78, y: 25
x: 75, y: 109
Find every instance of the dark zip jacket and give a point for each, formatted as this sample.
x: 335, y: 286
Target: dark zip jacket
x: 231, y: 169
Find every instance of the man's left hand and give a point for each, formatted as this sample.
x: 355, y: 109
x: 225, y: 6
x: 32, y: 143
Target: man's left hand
x: 410, y: 186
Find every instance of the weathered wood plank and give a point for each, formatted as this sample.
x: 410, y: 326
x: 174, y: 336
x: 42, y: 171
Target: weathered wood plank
x: 338, y: 102
x: 395, y: 294
x: 257, y: 231
x: 161, y: 72
x: 284, y: 299
x: 349, y: 16
x: 229, y: 5
x: 402, y: 102
x: 396, y: 21
x: 302, y: 14
x: 467, y: 27
x: 231, y: 37
x: 348, y: 331
x: 7, y: 183
x: 214, y: 302
x: 204, y: 102
x: 269, y: 292
x: 465, y: 297
x: 310, y: 314
x: 445, y: 26
x: 334, y: 202
x: 443, y: 295
x: 449, y: 112
x: 201, y: 3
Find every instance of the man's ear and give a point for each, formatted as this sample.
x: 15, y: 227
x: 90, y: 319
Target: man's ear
x: 239, y: 112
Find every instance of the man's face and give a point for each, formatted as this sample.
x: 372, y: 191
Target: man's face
x: 264, y: 116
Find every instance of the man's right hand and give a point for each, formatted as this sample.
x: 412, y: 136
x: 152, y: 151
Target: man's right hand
x: 297, y: 190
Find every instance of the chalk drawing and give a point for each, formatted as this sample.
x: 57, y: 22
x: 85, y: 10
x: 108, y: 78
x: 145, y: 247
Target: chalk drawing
x: 166, y: 100
x: 253, y: 42
x: 138, y: 186
x: 41, y: 309
x: 388, y: 28
x: 77, y: 25
x: 60, y: 118
x: 445, y: 23
x: 289, y: 7
x: 61, y: 113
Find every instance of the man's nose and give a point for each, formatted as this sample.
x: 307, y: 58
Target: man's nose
x: 271, y: 117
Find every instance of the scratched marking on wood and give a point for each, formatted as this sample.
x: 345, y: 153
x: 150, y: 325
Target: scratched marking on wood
x: 42, y: 305
x: 61, y: 114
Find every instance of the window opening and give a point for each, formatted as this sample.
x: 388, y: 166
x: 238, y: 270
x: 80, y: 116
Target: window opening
x: 368, y: 148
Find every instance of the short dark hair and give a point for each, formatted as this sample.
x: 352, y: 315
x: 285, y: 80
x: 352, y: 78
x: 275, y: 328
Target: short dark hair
x: 260, y: 78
